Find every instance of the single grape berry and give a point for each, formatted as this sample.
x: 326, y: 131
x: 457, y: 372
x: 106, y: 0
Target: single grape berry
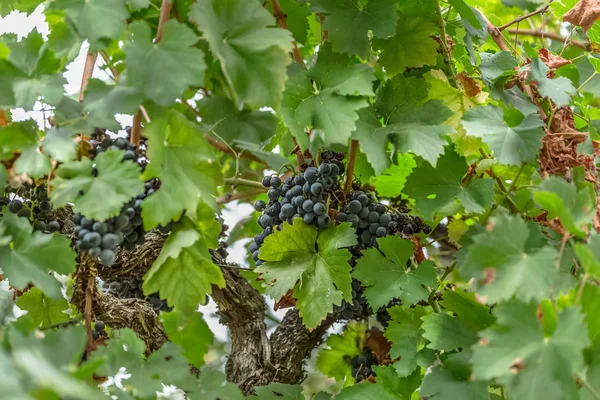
x: 273, y: 194
x: 266, y: 181
x: 95, y: 334
x: 99, y: 325
x: 308, y: 205
x: 107, y: 257
x: 39, y: 226
x: 259, y: 205
x: 323, y: 221
x: 309, y: 218
x: 381, y: 231
x: 275, y: 182
x: 15, y: 206
x: 92, y: 239
x: 45, y: 205
x: 316, y: 189
x: 311, y: 174
x: 288, y: 210
x: 364, y: 213
x: 53, y: 226
x: 324, y: 169
x: 341, y: 217
x: 354, y: 207
x: 364, y: 199
x: 99, y: 227
x: 319, y: 209
x: 385, y: 219
x: 353, y: 218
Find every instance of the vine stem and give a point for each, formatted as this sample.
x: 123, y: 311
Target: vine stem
x: 60, y: 324
x: 165, y: 12
x: 505, y: 194
x: 540, y: 10
x: 350, y: 169
x: 447, y: 55
x: 581, y: 288
x: 589, y: 387
x: 228, y: 197
x: 549, y: 35
x: 88, y: 312
x: 281, y: 19
x: 88, y: 71
x: 243, y: 182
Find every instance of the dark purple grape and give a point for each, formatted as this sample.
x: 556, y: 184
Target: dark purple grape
x: 259, y: 205
x: 354, y: 207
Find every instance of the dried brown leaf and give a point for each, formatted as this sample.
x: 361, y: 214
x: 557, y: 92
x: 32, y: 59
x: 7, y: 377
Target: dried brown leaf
x: 552, y: 60
x: 584, y: 14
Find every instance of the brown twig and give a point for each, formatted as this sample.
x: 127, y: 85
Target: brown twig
x: 350, y: 169
x: 108, y: 63
x: 88, y: 311
x: 299, y: 156
x: 540, y: 10
x: 165, y: 12
x: 550, y: 35
x: 228, y: 197
x: 136, y: 129
x: 88, y: 71
x: 281, y: 19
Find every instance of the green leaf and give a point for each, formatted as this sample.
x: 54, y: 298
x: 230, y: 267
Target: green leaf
x: 406, y: 335
x: 279, y: 391
x: 230, y: 123
x: 104, y: 101
x: 413, y: 121
x: 3, y: 178
x: 164, y: 366
x: 348, y: 23
x: 435, y: 188
x: 290, y: 256
x: 383, y: 271
x: 593, y: 373
x: 214, y: 386
x: 511, y: 145
x: 412, y: 47
x: 510, y: 259
x: 191, y: 333
x: 252, y: 50
x: 372, y: 145
x: 391, y: 182
x: 28, y: 90
x: 42, y: 311
x: 326, y: 98
x: 95, y: 19
x: 22, y: 136
x: 446, y: 333
x: 175, y: 53
x: 97, y: 197
x: 185, y: 164
x: 446, y: 383
x: 63, y: 39
x: 25, y: 258
x: 453, y: 98
x: 466, y: 12
x: 335, y: 360
x: 573, y: 206
x: 388, y: 387
x: 496, y: 65
x: 59, y: 144
x: 531, y: 365
x: 558, y: 89
x: 138, y: 4
x: 184, y: 272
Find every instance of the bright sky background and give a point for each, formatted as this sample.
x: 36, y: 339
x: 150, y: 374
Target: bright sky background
x: 21, y: 24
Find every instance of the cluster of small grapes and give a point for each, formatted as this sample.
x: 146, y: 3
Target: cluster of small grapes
x: 100, y: 238
x: 301, y: 196
x: 332, y: 157
x: 358, y: 307
x: 32, y: 203
x: 101, y: 141
x: 362, y: 365
x: 98, y: 330
x: 383, y: 316
x: 132, y: 289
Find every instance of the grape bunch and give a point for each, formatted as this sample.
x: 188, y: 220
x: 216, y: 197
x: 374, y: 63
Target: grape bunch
x: 383, y: 316
x: 362, y: 365
x: 102, y: 141
x: 302, y: 196
x: 98, y: 330
x: 34, y: 204
x: 358, y: 307
x: 132, y: 289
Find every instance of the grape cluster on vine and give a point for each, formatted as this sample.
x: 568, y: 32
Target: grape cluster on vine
x: 301, y: 196
x: 32, y: 202
x: 98, y: 330
x: 132, y: 289
x: 362, y: 365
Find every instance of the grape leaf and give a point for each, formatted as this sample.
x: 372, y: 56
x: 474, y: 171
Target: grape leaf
x: 511, y: 145
x: 42, y: 311
x: 408, y: 344
x: 290, y: 256
x: 164, y: 366
x: 413, y: 121
x: 25, y: 258
x: 59, y: 144
x: 495, y: 65
x: 104, y: 101
x: 412, y: 47
x: 383, y: 271
x: 185, y: 164
x: 252, y: 50
x: 590, y: 305
x: 22, y: 137
x: 435, y: 188
x: 510, y: 259
x: 531, y: 365
x: 191, y: 333
x: 95, y: 19
x: 593, y: 373
x: 63, y: 40
x: 175, y: 53
x: 558, y: 89
x: 373, y: 146
x: 325, y: 98
x: 451, y: 381
x: 466, y: 12
x: 447, y: 333
x: 279, y: 391
x: 388, y: 387
x: 28, y: 90
x: 333, y: 361
x: 97, y: 197
x: 348, y: 23
x: 391, y: 182
x: 214, y: 386
x: 229, y: 122
x: 184, y: 272
x: 572, y: 205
